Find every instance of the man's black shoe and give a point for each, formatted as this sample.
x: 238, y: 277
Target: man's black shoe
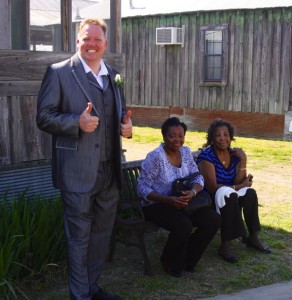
x: 102, y: 295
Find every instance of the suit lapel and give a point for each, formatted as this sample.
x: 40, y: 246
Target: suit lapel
x: 80, y: 76
x: 116, y: 90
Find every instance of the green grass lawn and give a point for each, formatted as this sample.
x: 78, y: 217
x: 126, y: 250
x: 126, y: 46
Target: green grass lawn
x: 270, y: 161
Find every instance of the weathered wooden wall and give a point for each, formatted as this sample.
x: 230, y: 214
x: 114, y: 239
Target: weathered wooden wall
x: 21, y: 73
x: 259, y: 62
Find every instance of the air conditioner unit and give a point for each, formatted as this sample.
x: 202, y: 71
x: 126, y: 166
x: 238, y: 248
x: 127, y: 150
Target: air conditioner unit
x: 170, y: 36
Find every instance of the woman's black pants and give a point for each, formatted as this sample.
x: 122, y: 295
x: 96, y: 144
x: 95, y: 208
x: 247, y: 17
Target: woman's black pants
x: 184, y: 247
x: 231, y: 214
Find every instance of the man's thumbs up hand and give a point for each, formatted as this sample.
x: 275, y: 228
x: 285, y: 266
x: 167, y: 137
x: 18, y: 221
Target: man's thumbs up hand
x: 88, y: 123
x: 126, y: 126
x: 127, y: 117
x: 89, y: 108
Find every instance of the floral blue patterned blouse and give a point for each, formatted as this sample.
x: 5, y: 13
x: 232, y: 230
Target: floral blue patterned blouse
x: 157, y: 173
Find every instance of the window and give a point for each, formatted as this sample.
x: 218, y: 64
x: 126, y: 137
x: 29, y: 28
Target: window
x: 49, y: 33
x: 45, y: 25
x: 213, y: 55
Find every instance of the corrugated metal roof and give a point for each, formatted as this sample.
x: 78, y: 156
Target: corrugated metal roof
x: 45, y: 12
x: 33, y: 180
x: 150, y: 7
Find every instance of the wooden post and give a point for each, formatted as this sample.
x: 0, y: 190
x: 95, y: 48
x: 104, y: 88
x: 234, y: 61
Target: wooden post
x: 19, y: 19
x: 5, y: 24
x: 115, y: 26
x: 66, y: 20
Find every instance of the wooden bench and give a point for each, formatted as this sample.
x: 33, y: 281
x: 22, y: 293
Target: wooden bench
x: 130, y: 225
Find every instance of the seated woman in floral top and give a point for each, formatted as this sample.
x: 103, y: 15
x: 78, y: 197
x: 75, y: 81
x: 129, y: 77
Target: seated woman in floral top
x: 169, y: 161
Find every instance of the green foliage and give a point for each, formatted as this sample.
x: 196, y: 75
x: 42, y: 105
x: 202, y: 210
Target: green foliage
x: 31, y: 237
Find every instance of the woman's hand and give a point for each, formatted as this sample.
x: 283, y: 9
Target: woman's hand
x: 179, y: 202
x: 247, y: 182
x: 184, y: 199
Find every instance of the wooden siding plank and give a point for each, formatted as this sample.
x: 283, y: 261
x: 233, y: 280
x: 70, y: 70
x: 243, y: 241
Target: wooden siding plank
x: 248, y: 62
x: 229, y: 93
x: 153, y: 68
x: 221, y: 98
x: 31, y: 132
x: 257, y: 57
x: 265, y: 68
x: 184, y: 65
x: 170, y: 55
x: 127, y: 46
x: 282, y: 102
x: 176, y: 63
x: 162, y: 101
x: 146, y: 62
x: 22, y: 65
x: 275, y: 60
x: 206, y: 99
x: 216, y: 91
x: 18, y: 137
x: 192, y: 35
x: 199, y: 63
x: 142, y: 61
x: 238, y: 61
x: 137, y: 74
x: 4, y: 132
x: 16, y: 88
x: 287, y: 105
x: 24, y: 134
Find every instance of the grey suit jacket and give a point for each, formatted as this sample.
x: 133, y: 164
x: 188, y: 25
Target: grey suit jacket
x: 63, y: 96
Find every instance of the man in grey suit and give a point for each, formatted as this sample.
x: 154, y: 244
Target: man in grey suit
x: 81, y: 103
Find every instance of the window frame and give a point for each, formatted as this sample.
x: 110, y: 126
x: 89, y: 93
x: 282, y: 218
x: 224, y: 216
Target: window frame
x: 224, y: 59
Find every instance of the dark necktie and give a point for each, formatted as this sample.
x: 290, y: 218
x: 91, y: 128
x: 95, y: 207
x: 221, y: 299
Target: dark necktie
x: 105, y: 81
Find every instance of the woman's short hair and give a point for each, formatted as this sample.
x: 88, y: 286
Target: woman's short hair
x: 172, y: 122
x: 213, y: 127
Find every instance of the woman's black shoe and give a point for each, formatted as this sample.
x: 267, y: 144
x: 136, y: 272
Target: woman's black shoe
x: 262, y: 249
x: 169, y: 270
x: 230, y: 259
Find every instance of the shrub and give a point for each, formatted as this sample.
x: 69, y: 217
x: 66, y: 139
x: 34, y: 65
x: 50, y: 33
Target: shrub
x: 31, y: 237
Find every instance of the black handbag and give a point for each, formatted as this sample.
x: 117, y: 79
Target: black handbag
x: 201, y: 200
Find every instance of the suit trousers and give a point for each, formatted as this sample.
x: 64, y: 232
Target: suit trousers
x: 88, y: 223
x: 184, y: 246
x: 231, y: 214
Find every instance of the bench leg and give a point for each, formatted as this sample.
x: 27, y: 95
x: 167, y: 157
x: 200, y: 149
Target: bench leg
x: 142, y: 247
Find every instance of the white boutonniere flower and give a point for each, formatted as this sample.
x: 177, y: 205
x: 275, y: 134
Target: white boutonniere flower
x: 119, y: 80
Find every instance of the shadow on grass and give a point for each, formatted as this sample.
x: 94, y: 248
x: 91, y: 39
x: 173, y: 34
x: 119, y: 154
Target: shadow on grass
x: 124, y: 276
